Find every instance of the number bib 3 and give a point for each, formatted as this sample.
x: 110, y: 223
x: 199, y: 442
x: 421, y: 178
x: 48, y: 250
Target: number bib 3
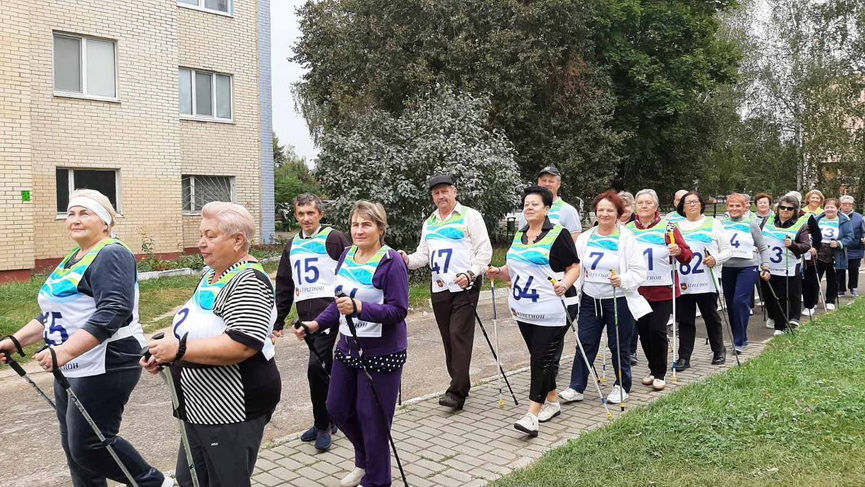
x: 782, y: 262
x: 532, y: 298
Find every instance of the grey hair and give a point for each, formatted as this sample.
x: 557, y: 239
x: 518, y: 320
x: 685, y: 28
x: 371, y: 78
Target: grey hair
x: 847, y: 199
x: 650, y: 192
x: 232, y: 219
x: 789, y: 198
x: 307, y: 199
x: 628, y: 197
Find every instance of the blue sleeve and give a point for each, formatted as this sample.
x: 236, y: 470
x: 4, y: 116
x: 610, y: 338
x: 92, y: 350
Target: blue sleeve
x: 845, y: 231
x: 392, y: 278
x: 110, y: 279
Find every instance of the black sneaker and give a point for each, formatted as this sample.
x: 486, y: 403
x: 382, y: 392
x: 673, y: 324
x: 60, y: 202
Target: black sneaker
x: 451, y: 401
x: 681, y: 364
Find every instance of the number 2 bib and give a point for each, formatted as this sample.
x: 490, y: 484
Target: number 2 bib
x: 693, y: 276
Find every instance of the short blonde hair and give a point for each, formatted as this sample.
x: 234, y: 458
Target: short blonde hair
x: 738, y: 197
x: 373, y: 212
x: 232, y: 219
x: 812, y: 192
x: 99, y: 198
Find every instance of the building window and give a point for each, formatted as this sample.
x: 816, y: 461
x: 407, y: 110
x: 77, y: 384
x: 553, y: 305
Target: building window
x: 201, y: 190
x: 221, y: 6
x: 204, y: 94
x: 102, y: 180
x: 85, y: 66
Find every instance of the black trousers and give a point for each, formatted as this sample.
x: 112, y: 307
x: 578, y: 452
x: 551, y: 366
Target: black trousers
x: 318, y: 379
x: 545, y: 343
x: 686, y: 309
x: 455, y: 315
x: 810, y: 283
x: 652, y: 329
x: 831, y: 280
x: 853, y: 282
x: 778, y: 308
x: 224, y: 454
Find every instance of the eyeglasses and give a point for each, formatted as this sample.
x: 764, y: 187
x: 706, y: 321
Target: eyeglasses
x: 692, y: 203
x: 786, y: 208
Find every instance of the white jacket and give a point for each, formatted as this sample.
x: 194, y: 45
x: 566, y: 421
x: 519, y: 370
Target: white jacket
x: 632, y: 270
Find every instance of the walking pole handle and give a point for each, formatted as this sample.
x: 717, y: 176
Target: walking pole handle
x: 299, y: 324
x: 58, y: 374
x: 146, y: 350
x: 12, y: 363
x: 17, y: 344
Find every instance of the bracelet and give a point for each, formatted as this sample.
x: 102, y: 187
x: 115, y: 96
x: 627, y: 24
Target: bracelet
x: 181, y: 349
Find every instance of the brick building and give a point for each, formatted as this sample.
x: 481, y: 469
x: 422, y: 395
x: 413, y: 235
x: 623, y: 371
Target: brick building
x: 162, y: 105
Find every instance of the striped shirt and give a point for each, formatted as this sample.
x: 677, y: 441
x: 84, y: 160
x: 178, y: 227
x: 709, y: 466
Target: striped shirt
x: 239, y: 392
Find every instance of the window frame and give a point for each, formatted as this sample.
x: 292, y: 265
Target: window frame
x: 83, y: 68
x: 70, y: 186
x: 197, y: 212
x: 201, y: 8
x: 213, y: 103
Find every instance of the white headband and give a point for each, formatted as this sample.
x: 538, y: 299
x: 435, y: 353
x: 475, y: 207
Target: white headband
x: 91, y: 205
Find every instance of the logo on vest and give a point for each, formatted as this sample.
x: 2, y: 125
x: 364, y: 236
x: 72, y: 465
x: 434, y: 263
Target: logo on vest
x: 440, y: 283
x: 683, y: 286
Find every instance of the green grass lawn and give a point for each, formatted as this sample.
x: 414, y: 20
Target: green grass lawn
x: 795, y: 416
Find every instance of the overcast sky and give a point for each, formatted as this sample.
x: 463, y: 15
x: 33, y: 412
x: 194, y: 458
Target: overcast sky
x: 288, y: 125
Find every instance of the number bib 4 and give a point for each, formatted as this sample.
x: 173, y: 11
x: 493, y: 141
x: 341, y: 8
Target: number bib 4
x: 652, y: 244
x: 693, y: 276
x: 313, y: 270
x: 355, y: 280
x: 449, y: 251
x: 741, y: 240
x: 532, y: 298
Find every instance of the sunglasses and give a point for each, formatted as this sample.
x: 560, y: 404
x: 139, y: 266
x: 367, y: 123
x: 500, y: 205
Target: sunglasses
x: 786, y: 208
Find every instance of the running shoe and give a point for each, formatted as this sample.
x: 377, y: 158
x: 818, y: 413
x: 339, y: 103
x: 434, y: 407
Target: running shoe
x: 353, y: 478
x: 830, y: 306
x: 647, y: 380
x: 549, y: 411
x: 659, y: 384
x: 617, y: 395
x: 570, y: 395
x: 528, y: 425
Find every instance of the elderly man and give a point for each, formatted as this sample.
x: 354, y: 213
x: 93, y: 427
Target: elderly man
x: 306, y: 277
x: 674, y: 216
x: 455, y: 244
x: 561, y: 213
x: 855, y: 252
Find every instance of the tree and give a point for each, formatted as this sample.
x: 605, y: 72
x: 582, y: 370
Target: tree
x: 291, y: 177
x: 388, y: 159
x: 532, y: 60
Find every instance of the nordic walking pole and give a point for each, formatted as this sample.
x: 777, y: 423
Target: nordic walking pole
x: 21, y: 372
x: 165, y: 372
x: 589, y: 365
x: 64, y: 383
x: 673, y: 264
x: 618, y: 345
x: 778, y: 304
x: 496, y: 336
x: 720, y: 293
x: 787, y: 279
x: 353, y: 330
x: 308, y: 339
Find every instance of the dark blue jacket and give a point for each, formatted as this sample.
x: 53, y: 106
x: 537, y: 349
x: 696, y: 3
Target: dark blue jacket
x: 856, y: 250
x: 845, y: 238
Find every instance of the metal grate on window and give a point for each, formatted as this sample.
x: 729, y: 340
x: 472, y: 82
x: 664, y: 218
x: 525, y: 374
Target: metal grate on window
x: 200, y: 190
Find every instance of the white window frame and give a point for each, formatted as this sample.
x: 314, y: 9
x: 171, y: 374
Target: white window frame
x: 201, y: 8
x: 196, y: 212
x: 83, y: 68
x: 213, y: 74
x: 71, y: 186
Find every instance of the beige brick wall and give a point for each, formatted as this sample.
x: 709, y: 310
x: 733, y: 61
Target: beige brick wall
x: 142, y: 135
x: 16, y: 219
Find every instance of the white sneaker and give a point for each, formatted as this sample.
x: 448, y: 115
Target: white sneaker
x: 809, y: 311
x: 549, y: 411
x: 751, y: 311
x: 617, y: 395
x: 770, y: 323
x: 168, y: 482
x: 778, y: 333
x: 528, y: 425
x: 830, y: 306
x: 647, y: 380
x: 659, y: 384
x: 570, y: 395
x: 794, y: 323
x: 353, y: 478
x: 854, y: 292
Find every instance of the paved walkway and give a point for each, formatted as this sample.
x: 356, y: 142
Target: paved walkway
x: 476, y: 445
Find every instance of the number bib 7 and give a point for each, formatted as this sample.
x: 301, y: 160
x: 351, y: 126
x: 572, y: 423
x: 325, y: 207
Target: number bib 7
x: 355, y: 280
x: 602, y: 257
x: 449, y: 251
x: 652, y: 244
x: 313, y: 270
x: 693, y: 276
x: 532, y: 298
x: 741, y: 240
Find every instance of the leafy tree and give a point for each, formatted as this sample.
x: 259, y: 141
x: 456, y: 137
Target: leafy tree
x: 291, y: 177
x: 388, y: 159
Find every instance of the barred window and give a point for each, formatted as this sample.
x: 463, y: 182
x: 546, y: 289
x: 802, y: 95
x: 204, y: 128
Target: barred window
x: 200, y: 190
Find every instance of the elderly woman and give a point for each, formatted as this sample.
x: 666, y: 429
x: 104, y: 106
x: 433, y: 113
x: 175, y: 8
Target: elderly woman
x: 838, y: 235
x: 740, y: 275
x: 653, y: 241
x: 374, y: 280
x: 613, y: 270
x: 787, y: 236
x: 855, y: 251
x: 540, y: 251
x: 221, y: 355
x: 89, y: 316
x: 764, y: 208
x: 707, y: 238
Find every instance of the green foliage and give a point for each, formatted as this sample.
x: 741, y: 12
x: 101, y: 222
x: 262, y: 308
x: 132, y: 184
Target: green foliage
x: 795, y: 415
x: 291, y: 177
x: 388, y: 159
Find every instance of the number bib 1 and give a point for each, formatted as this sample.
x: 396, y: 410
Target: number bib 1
x: 741, y: 240
x: 532, y: 298
x: 313, y: 270
x: 197, y: 318
x: 829, y: 228
x: 782, y: 262
x: 355, y: 280
x: 693, y: 277
x: 652, y: 244
x: 602, y: 257
x: 449, y: 250
x: 67, y: 310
